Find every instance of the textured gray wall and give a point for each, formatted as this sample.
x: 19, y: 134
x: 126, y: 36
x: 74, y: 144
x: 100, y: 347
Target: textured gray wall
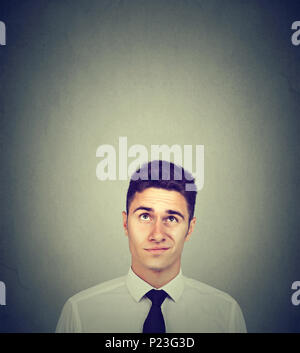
x: 78, y: 74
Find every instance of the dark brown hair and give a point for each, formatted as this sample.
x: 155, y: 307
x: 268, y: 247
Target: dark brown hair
x: 163, y: 175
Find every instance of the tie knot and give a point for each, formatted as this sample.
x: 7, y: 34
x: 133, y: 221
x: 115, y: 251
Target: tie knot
x: 157, y: 296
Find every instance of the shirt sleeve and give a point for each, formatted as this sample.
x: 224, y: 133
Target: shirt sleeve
x: 237, y: 322
x: 69, y: 321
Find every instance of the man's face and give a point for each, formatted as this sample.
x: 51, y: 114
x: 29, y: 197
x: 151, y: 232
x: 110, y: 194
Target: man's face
x: 157, y: 219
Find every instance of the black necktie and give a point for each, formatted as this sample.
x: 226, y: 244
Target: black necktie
x: 155, y: 322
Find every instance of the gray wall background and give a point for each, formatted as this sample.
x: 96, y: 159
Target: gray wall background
x: 78, y: 74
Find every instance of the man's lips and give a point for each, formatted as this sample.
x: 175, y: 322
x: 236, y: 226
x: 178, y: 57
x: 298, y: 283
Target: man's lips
x: 157, y: 250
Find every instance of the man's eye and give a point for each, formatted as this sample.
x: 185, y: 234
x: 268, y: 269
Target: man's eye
x: 172, y: 219
x: 144, y: 217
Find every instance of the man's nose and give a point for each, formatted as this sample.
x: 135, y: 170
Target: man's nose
x: 157, y: 231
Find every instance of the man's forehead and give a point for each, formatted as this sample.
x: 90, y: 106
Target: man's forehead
x: 157, y: 198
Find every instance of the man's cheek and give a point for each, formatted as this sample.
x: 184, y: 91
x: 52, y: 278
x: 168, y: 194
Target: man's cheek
x: 136, y: 227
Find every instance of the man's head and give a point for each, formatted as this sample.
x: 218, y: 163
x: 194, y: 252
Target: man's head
x: 163, y: 175
x: 159, y: 215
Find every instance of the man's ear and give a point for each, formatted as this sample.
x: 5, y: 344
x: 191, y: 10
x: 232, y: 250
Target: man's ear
x: 191, y: 228
x: 125, y: 226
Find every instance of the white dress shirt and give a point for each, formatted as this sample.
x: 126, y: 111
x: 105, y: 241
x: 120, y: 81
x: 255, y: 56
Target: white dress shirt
x: 120, y: 305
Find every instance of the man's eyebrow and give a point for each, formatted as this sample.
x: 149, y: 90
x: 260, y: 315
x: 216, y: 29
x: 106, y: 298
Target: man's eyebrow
x: 175, y: 212
x: 149, y: 209
x: 144, y: 208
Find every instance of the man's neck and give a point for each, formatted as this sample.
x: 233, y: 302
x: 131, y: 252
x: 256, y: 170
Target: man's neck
x: 156, y: 278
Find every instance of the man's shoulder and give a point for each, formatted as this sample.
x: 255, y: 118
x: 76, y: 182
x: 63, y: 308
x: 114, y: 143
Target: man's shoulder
x: 206, y: 290
x: 220, y: 305
x: 103, y: 288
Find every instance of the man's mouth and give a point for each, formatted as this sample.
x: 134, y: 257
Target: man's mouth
x: 157, y: 250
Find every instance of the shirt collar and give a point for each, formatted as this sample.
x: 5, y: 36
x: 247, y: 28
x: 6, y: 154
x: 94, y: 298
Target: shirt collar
x: 138, y: 287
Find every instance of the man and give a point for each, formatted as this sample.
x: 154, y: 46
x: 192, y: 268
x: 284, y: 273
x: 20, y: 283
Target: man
x: 155, y: 296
